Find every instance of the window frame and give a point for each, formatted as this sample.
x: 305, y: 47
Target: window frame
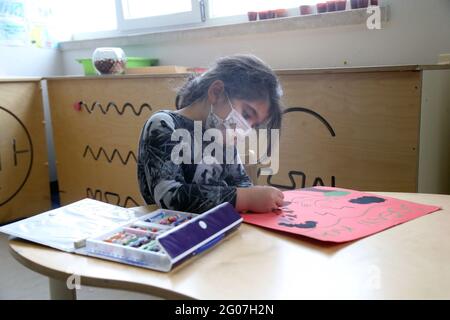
x: 158, y: 22
x: 197, y: 18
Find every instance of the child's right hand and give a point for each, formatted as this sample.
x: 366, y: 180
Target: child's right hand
x: 259, y: 199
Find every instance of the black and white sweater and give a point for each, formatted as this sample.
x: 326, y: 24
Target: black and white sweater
x: 186, y: 187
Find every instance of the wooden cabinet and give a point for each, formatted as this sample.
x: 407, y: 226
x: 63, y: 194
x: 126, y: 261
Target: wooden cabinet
x: 24, y: 182
x: 96, y: 125
x: 359, y: 128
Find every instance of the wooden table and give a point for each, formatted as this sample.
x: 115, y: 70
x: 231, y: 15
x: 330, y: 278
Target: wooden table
x: 410, y: 261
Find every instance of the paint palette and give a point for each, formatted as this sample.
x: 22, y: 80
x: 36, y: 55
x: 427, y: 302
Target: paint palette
x: 163, y: 238
x: 159, y: 240
x: 167, y: 218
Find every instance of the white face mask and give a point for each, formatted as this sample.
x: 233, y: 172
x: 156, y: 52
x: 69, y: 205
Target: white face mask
x: 234, y: 121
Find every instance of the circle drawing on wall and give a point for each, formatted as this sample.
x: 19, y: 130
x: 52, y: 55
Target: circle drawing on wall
x: 16, y: 155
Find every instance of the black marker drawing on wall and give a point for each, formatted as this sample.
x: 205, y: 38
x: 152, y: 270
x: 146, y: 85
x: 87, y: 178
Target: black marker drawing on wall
x: 291, y: 174
x: 109, y: 156
x: 15, y: 153
x: 111, y: 198
x: 113, y: 106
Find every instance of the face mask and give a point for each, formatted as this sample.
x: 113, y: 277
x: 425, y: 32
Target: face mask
x: 234, y: 121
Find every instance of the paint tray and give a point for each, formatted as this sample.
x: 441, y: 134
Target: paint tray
x: 158, y: 240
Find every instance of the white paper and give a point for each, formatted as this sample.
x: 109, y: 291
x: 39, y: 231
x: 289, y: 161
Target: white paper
x: 62, y: 228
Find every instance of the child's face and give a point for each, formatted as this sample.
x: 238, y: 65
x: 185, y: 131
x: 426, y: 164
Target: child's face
x: 255, y: 112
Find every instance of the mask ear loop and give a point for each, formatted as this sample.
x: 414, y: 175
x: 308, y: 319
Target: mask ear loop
x: 229, y: 102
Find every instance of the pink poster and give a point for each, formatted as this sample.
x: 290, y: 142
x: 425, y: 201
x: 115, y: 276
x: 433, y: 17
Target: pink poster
x: 338, y: 215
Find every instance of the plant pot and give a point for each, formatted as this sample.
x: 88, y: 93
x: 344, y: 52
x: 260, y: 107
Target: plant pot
x: 281, y: 13
x: 341, y: 5
x: 321, y: 7
x: 331, y: 6
x: 252, y: 16
x: 263, y: 15
x: 304, y: 10
x: 363, y: 3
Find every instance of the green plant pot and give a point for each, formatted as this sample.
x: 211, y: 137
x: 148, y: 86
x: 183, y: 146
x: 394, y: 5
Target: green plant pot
x: 138, y: 62
x: 88, y: 67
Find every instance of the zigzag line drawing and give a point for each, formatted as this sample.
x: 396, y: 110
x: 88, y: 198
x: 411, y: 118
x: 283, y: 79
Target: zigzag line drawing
x: 110, y: 159
x: 106, y: 195
x: 114, y: 106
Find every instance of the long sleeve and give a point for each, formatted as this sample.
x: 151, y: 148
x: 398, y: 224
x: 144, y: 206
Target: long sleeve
x: 163, y: 182
x: 237, y: 175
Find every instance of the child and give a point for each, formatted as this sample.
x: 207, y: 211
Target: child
x: 238, y: 92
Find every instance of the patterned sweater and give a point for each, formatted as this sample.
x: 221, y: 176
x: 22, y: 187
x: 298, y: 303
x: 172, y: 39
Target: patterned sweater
x: 186, y: 187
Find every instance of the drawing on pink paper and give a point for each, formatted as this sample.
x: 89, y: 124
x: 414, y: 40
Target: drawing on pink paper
x: 337, y: 215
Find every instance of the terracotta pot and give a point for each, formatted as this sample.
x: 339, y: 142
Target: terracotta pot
x: 321, y: 7
x: 252, y: 16
x: 281, y: 13
x: 341, y: 5
x: 363, y: 3
x: 331, y: 6
x: 263, y: 15
x: 304, y: 10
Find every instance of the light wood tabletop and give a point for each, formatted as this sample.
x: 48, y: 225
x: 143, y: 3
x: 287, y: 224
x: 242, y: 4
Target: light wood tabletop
x: 409, y: 261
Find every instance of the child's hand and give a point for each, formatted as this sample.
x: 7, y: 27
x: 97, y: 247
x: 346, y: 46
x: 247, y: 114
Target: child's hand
x: 259, y: 199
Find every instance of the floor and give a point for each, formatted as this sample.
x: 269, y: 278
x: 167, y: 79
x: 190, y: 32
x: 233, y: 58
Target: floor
x: 18, y: 282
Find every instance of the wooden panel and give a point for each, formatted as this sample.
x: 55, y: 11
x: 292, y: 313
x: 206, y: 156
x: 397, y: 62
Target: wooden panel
x: 96, y: 147
x: 352, y: 130
x: 24, y: 183
x: 356, y: 130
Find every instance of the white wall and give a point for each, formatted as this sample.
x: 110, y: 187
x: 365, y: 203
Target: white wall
x: 418, y: 31
x: 434, y: 161
x: 29, y: 62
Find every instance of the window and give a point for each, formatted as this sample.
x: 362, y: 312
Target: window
x: 141, y: 14
x: 133, y: 9
x: 84, y: 18
x: 90, y: 19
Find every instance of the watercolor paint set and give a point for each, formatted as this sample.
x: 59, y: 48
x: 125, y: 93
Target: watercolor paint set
x: 158, y: 240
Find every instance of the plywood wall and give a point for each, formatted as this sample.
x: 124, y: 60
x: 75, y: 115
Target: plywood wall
x: 96, y: 146
x: 24, y: 183
x: 354, y: 130
x: 351, y: 130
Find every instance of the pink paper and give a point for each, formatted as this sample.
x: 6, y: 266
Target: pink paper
x: 338, y: 215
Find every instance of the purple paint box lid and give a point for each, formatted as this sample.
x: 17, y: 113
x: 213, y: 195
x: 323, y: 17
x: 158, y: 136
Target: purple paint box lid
x: 200, y: 233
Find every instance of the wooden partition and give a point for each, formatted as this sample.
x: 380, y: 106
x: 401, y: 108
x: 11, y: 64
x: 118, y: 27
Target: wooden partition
x: 355, y: 130
x: 351, y: 128
x: 96, y: 126
x: 24, y: 183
